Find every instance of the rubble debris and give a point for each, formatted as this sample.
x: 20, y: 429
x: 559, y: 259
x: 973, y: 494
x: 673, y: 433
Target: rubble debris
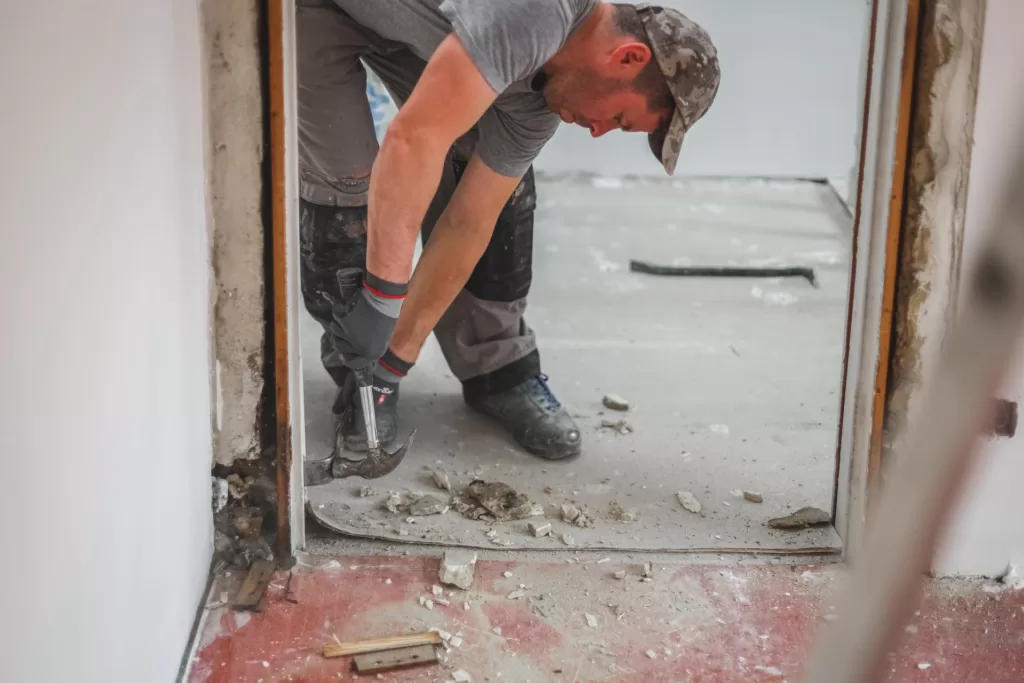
x: 651, y: 654
x: 753, y: 497
x: 465, y: 606
x: 336, y: 648
x: 770, y: 670
x: 508, y: 575
x: 456, y: 640
x: 604, y: 559
x: 573, y: 515
x: 457, y: 568
x: 591, y: 620
x: 688, y: 501
x: 924, y: 666
x: 491, y: 533
x: 568, y: 539
x: 516, y: 594
x: 536, y: 510
x: 247, y: 522
x: 621, y: 514
x: 238, y: 488
x: 615, y: 402
x: 802, y: 519
x: 736, y: 493
x: 496, y: 630
x: 552, y: 491
x: 368, y: 492
x: 648, y: 572
x: 393, y: 502
x: 443, y: 602
x: 220, y: 494
x: 496, y: 499
x: 539, y: 530
x: 436, y: 590
x: 620, y: 575
x: 461, y: 676
x: 620, y: 426
x: 441, y: 480
x: 427, y: 505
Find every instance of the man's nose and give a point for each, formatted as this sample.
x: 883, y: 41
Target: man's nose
x: 598, y: 129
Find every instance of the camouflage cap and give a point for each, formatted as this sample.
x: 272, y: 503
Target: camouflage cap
x: 689, y: 61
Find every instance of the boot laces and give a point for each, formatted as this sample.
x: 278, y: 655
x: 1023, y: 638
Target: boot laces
x: 539, y: 385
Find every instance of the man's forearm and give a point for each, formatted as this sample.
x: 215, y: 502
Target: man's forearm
x: 404, y: 179
x: 446, y: 264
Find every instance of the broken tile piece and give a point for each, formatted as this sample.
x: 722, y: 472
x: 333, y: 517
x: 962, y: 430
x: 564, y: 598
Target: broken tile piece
x: 457, y: 568
x: 428, y: 505
x: 496, y: 630
x: 619, y: 575
x: 802, y: 519
x: 620, y: 426
x: 368, y: 491
x: 651, y: 654
x: 688, y: 501
x: 615, y: 402
x: 539, y: 530
x: 591, y: 620
x: 753, y: 496
x: 461, y: 676
x: 508, y: 575
x: 568, y: 539
x: 515, y: 595
x: 436, y: 590
x: 441, y: 480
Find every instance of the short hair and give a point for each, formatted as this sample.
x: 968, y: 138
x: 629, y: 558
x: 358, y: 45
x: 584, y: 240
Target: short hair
x: 650, y: 81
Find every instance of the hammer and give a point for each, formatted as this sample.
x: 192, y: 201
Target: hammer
x: 378, y: 462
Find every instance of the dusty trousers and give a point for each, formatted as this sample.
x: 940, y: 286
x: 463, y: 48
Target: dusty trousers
x: 483, y: 335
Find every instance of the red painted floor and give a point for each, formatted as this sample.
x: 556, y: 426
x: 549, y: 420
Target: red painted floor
x: 701, y: 624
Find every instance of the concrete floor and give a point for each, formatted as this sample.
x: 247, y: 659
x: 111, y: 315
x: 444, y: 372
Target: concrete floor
x: 734, y: 382
x: 692, y: 622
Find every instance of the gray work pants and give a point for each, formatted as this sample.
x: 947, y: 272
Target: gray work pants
x: 483, y: 335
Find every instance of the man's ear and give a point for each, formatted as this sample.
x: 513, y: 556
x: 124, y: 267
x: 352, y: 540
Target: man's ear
x: 630, y: 58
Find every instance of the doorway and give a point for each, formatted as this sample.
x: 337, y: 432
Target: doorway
x: 734, y: 385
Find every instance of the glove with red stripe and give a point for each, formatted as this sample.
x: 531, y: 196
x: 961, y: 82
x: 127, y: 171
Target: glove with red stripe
x: 365, y: 320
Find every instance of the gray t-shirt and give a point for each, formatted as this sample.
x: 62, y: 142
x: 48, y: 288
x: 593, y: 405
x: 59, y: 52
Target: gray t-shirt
x: 508, y: 40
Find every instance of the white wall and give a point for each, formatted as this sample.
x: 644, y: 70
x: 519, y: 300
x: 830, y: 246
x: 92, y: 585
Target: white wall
x: 105, y: 414
x: 788, y: 104
x: 988, y: 532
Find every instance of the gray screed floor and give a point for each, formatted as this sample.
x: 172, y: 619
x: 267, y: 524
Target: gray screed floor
x: 733, y: 383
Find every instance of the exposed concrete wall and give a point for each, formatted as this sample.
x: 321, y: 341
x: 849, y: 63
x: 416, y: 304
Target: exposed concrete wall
x: 235, y: 155
x: 949, y: 55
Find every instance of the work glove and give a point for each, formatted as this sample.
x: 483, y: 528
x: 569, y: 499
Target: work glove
x: 365, y: 318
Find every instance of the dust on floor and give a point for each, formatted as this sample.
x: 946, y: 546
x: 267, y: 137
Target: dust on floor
x: 578, y: 623
x: 733, y: 383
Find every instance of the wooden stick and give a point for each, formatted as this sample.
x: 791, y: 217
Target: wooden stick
x: 381, y: 644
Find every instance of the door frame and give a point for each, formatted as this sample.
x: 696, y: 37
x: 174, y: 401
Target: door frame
x: 887, y: 85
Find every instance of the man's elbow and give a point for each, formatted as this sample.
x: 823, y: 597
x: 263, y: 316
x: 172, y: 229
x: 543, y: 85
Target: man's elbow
x: 415, y: 140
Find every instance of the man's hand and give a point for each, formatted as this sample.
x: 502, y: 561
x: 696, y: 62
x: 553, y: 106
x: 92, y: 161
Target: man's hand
x: 448, y: 100
x: 364, y: 321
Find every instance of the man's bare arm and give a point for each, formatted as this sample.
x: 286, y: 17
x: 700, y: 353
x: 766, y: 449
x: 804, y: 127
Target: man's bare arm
x: 456, y: 244
x: 448, y: 100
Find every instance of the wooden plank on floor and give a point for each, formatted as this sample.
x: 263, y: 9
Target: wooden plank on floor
x: 381, y: 644
x: 396, y: 659
x: 254, y: 585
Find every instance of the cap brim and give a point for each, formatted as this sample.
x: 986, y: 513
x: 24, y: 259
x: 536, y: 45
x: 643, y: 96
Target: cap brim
x: 670, y: 142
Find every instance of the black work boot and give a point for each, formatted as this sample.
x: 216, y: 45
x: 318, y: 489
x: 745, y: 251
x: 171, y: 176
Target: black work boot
x: 535, y: 418
x: 351, y: 429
